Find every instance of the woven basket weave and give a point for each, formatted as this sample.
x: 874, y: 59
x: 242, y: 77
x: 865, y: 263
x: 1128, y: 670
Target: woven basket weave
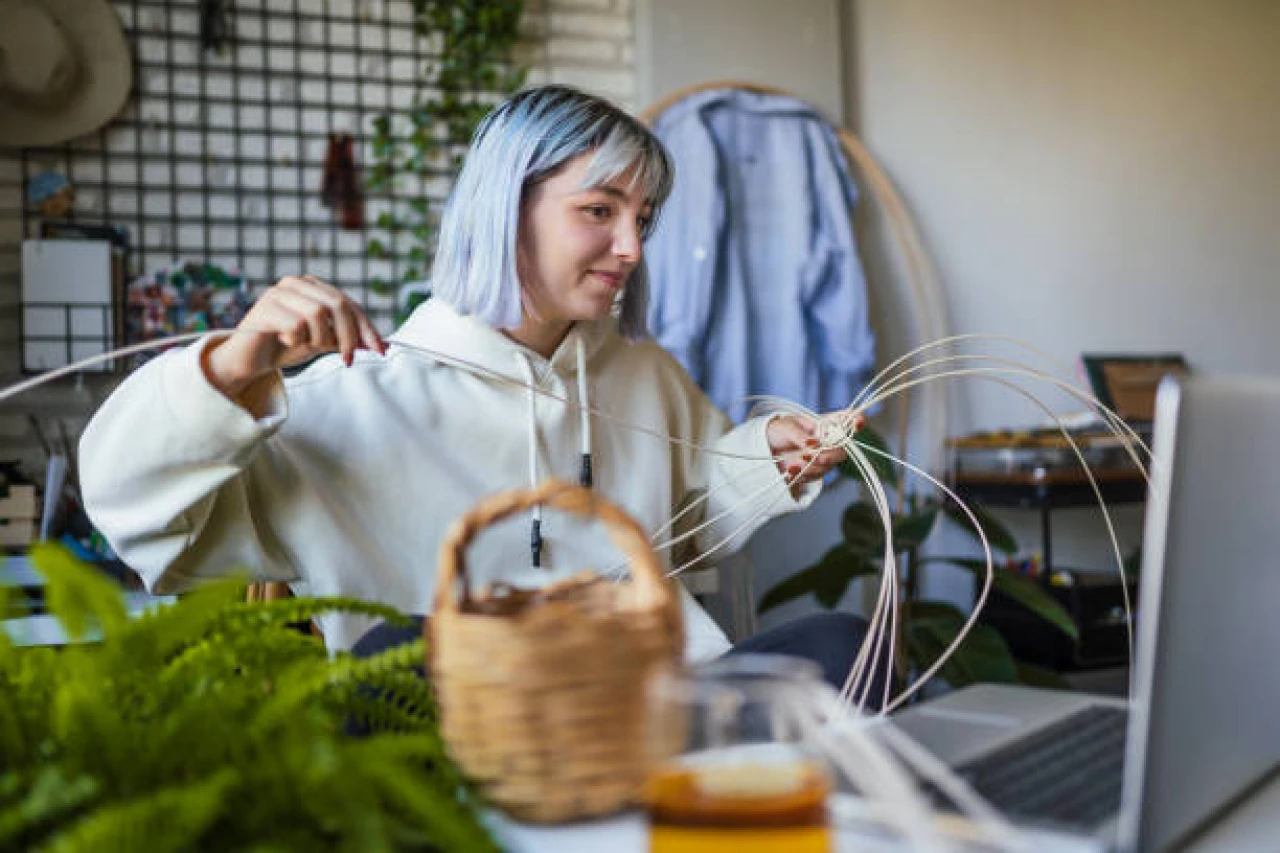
x: 541, y: 692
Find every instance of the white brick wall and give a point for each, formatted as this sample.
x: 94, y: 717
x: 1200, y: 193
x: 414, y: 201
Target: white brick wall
x: 590, y: 44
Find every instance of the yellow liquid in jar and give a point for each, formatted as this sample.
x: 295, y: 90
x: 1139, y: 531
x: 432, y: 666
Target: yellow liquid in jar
x: 687, y: 839
x: 741, y: 808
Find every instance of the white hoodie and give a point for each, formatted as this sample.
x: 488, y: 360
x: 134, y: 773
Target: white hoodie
x: 344, y: 480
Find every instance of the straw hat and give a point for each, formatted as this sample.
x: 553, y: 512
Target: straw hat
x: 65, y: 69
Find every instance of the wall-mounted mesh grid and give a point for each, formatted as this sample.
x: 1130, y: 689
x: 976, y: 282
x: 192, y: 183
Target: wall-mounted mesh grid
x: 219, y: 156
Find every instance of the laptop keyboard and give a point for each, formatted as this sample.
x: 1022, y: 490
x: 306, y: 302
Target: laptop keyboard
x: 1066, y: 773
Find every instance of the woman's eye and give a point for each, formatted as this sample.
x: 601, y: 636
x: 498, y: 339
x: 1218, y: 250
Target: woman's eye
x: 598, y: 211
x: 644, y: 222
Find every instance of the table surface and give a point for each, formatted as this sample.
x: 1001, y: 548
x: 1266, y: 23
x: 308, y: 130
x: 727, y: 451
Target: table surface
x: 1252, y: 826
x: 629, y: 833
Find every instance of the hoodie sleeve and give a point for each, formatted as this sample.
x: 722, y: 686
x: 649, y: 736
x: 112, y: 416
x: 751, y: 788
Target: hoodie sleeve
x: 834, y: 290
x: 730, y: 474
x: 682, y: 254
x: 725, y: 483
x: 171, y: 473
x: 740, y: 489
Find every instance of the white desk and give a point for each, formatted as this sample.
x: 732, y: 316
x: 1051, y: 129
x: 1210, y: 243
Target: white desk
x: 628, y: 833
x: 1252, y: 826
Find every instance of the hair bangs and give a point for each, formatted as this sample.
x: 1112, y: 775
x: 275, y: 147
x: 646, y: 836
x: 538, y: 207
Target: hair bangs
x: 627, y: 148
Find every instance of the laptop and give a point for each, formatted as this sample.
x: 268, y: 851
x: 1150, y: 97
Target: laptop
x: 1202, y: 729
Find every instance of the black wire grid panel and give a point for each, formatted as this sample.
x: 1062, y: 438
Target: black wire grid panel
x: 219, y: 155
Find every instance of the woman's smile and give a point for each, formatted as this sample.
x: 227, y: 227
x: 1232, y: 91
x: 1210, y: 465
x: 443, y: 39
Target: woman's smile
x: 614, y: 280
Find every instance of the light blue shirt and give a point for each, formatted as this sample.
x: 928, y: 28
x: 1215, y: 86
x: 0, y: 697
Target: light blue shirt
x: 757, y: 287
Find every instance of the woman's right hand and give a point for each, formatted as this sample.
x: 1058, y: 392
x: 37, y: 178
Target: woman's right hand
x: 297, y: 319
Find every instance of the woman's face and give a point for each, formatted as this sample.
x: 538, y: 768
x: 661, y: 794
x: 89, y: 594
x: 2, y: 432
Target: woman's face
x: 577, y: 248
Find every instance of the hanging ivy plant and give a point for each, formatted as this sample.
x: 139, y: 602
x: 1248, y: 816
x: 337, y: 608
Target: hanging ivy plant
x: 473, y: 43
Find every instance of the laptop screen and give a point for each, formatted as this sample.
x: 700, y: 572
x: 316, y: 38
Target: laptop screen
x: 1206, y: 702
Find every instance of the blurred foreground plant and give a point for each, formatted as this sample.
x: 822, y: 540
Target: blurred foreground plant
x: 210, y: 724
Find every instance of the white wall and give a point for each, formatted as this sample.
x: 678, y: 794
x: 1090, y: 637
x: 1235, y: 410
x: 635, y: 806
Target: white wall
x: 1093, y: 175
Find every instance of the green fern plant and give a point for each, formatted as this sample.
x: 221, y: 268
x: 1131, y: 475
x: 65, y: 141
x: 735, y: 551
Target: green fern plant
x: 210, y: 724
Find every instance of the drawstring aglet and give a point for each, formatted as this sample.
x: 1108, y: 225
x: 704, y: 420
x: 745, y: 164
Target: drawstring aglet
x: 535, y: 542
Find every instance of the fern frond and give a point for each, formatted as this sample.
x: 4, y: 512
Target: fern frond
x: 81, y: 597
x: 171, y: 819
x: 161, y: 632
x: 49, y: 795
x: 6, y: 642
x: 30, y: 682
x: 12, y: 739
x: 284, y: 611
x: 438, y: 811
x: 305, y: 685
x: 381, y: 713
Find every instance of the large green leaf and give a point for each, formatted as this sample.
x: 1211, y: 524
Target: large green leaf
x: 882, y: 462
x: 910, y: 531
x: 863, y: 529
x: 982, y: 657
x: 925, y: 608
x: 831, y: 588
x: 826, y: 579
x: 998, y: 535
x: 1025, y: 591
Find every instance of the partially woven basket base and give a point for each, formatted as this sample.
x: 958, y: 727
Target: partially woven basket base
x: 545, y: 709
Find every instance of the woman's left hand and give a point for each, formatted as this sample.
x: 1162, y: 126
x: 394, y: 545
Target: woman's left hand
x: 796, y: 451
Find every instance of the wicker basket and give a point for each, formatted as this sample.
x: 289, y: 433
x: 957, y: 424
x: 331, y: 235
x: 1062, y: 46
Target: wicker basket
x: 541, y: 692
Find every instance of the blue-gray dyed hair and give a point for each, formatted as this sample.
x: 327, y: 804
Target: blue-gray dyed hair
x: 522, y: 142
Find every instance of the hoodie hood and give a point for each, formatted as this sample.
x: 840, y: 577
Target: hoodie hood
x: 437, y: 326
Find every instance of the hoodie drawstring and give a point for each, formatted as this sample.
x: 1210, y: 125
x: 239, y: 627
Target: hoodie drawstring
x: 584, y: 411
x: 535, y: 530
x: 585, y: 475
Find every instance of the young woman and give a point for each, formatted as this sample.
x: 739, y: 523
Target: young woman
x: 342, y: 480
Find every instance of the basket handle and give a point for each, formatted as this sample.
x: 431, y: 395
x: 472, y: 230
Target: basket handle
x: 650, y: 581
